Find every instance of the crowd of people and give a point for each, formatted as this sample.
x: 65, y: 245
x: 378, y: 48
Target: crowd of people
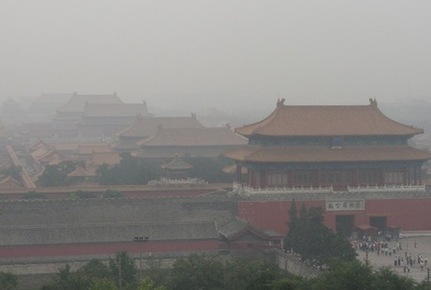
x: 402, y: 258
x: 380, y: 246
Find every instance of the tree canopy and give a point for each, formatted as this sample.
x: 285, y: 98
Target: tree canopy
x: 56, y: 174
x: 212, y: 273
x: 135, y: 170
x: 312, y: 240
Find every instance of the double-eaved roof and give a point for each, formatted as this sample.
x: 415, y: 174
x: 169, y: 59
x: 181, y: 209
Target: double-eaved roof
x: 327, y: 121
x: 275, y: 154
x: 290, y: 121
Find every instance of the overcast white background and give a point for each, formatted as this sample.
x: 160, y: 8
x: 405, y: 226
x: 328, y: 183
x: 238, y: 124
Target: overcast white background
x: 223, y: 54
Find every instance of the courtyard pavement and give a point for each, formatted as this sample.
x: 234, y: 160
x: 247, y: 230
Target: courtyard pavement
x: 413, y: 246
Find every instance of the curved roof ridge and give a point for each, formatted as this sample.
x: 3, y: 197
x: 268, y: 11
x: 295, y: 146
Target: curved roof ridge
x: 177, y: 163
x: 398, y: 123
x: 327, y: 120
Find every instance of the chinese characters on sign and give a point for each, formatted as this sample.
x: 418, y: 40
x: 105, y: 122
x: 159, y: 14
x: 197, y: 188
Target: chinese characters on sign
x: 335, y: 205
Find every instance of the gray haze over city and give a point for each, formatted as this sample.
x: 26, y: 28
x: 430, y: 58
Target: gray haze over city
x: 230, y: 55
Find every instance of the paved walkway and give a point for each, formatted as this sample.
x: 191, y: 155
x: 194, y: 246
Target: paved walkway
x: 414, y: 246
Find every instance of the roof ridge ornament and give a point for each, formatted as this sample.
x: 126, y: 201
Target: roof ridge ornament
x: 280, y: 102
x: 373, y: 102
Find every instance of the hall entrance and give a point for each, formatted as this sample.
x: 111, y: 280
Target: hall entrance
x: 344, y: 224
x: 379, y: 222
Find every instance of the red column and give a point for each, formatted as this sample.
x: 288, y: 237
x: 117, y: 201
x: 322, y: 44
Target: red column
x: 420, y: 175
x: 405, y: 182
x: 290, y: 178
x: 251, y: 179
x: 381, y: 176
x: 263, y: 182
x: 317, y: 180
x: 355, y: 177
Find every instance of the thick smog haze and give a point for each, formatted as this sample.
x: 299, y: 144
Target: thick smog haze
x: 230, y: 55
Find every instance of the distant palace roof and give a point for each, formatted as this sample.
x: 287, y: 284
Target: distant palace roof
x: 216, y: 136
x: 327, y: 121
x: 276, y: 154
x: 82, y: 172
x: 77, y: 103
x: 146, y: 127
x: 238, y: 227
x: 115, y: 110
x: 8, y: 182
x: 110, y: 158
x: 177, y: 164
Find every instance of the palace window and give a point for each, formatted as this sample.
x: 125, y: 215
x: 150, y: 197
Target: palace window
x: 303, y: 178
x: 335, y: 177
x: 394, y: 177
x: 277, y: 179
x: 369, y: 177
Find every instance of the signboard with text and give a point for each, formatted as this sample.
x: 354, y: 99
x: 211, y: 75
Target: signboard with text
x: 340, y: 205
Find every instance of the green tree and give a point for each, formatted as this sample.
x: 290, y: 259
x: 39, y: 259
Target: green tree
x: 56, y: 175
x: 131, y: 170
x: 148, y: 284
x: 238, y: 274
x: 424, y: 285
x: 150, y: 170
x: 209, y: 169
x: 315, y: 242
x: 264, y: 276
x: 8, y: 281
x: 386, y: 279
x: 123, y: 270
x: 352, y: 276
x: 106, y: 175
x: 155, y: 272
x: 197, y: 273
x: 12, y: 171
x: 360, y: 276
x: 292, y: 237
x: 67, y: 280
x: 102, y: 284
x: 94, y: 269
x: 290, y: 283
x: 91, y: 275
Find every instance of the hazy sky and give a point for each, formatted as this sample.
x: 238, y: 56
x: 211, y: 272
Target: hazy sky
x: 219, y: 53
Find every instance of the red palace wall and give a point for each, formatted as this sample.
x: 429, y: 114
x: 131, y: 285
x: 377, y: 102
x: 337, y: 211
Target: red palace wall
x: 406, y: 214
x: 64, y: 250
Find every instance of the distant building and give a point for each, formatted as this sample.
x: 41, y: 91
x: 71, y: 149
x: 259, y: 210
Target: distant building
x: 143, y: 128
x: 45, y: 154
x: 193, y: 142
x: 240, y: 235
x: 177, y: 168
x: 12, y: 113
x: 329, y: 146
x: 44, y: 107
x: 8, y: 182
x: 71, y: 112
x: 95, y: 117
x: 83, y: 176
x: 104, y: 120
x: 352, y: 161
